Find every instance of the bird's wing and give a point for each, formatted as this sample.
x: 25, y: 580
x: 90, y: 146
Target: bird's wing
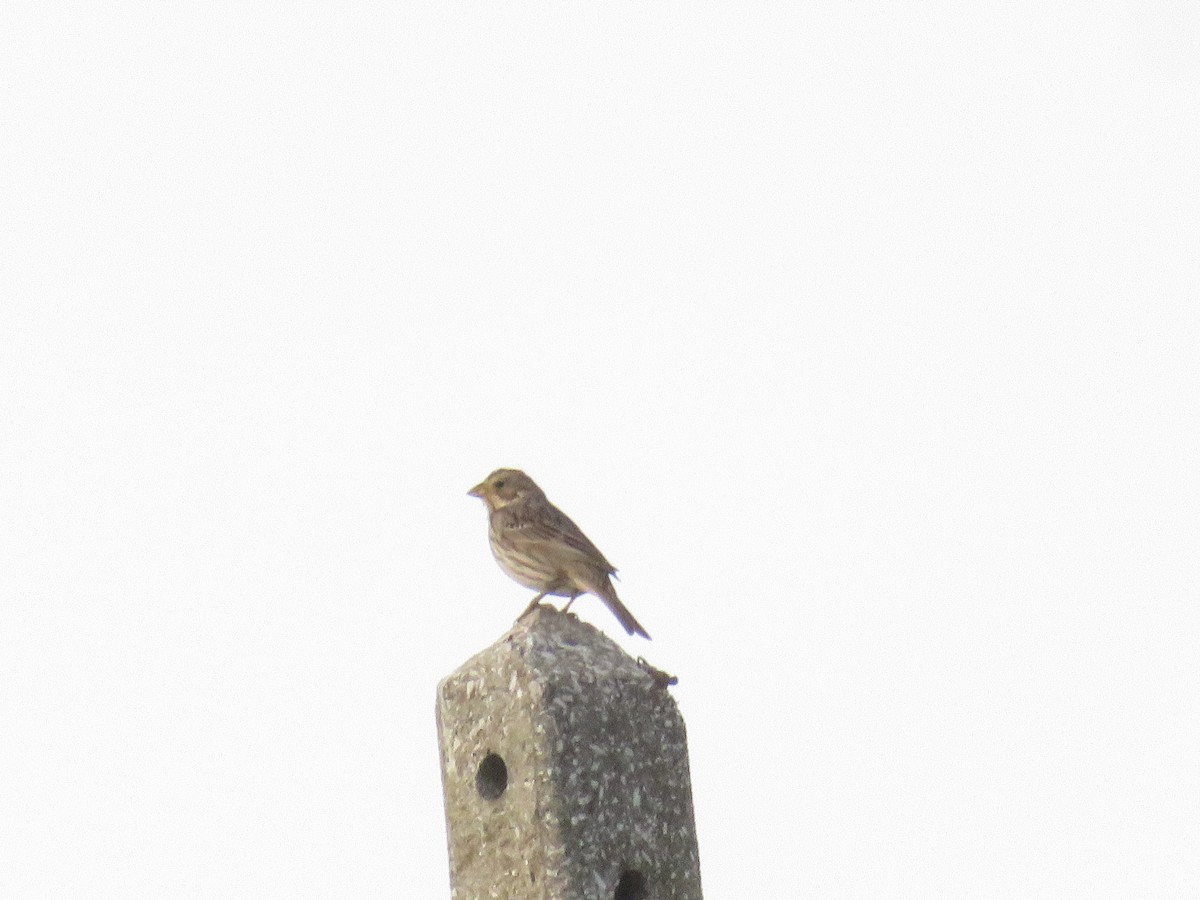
x: 547, y: 524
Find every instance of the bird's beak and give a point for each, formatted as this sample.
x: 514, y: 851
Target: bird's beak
x: 477, y: 491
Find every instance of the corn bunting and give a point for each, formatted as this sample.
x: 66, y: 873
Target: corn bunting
x: 538, y: 546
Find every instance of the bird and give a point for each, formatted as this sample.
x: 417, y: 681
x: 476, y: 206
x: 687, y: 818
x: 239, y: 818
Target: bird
x: 539, y: 547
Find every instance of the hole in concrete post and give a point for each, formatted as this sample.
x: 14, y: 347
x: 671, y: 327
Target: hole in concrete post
x: 632, y: 886
x: 492, y: 777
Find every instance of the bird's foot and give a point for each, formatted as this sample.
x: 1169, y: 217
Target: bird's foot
x: 533, y: 604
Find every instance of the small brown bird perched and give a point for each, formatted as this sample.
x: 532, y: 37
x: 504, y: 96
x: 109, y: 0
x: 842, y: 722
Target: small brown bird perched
x: 538, y: 546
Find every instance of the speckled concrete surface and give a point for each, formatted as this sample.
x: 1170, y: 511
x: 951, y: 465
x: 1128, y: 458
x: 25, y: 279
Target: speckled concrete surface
x: 595, y: 757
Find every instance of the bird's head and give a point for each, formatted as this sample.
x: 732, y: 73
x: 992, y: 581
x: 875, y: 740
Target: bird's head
x: 504, y: 486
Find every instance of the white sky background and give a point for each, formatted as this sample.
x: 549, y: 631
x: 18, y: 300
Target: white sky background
x: 863, y: 340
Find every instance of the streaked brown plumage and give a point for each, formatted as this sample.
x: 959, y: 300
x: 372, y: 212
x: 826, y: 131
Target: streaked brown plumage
x: 538, y: 546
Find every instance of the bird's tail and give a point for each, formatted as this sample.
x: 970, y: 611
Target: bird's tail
x: 608, y: 594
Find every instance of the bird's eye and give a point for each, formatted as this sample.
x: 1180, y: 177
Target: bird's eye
x: 500, y: 483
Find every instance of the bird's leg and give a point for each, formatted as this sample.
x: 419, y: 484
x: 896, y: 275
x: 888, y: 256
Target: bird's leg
x: 532, y: 605
x: 570, y: 601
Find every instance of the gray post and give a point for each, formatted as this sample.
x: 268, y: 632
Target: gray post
x: 565, y: 771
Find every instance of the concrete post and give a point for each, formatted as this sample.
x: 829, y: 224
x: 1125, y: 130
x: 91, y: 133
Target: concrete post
x: 565, y: 771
